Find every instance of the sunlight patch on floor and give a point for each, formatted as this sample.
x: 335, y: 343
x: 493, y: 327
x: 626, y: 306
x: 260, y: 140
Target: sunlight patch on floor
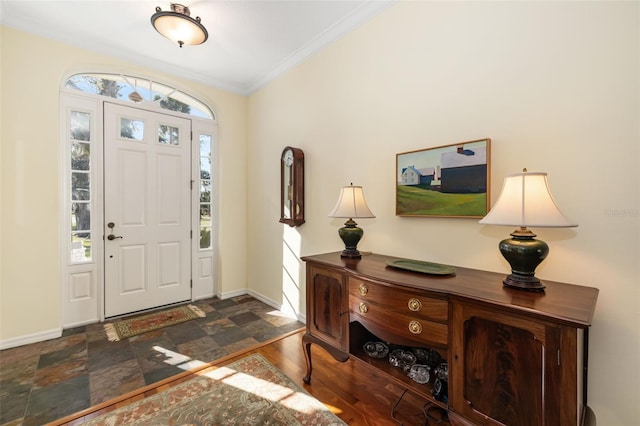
x: 179, y: 360
x: 290, y: 398
x: 282, y: 314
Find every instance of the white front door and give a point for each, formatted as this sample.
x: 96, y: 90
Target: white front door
x: 147, y: 181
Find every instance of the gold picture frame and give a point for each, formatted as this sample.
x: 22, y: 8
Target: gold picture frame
x: 445, y: 181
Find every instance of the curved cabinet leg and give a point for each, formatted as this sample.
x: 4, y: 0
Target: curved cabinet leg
x: 336, y: 353
x: 306, y: 343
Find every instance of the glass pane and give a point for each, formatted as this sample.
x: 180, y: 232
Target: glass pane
x: 82, y: 82
x: 98, y: 84
x: 168, y: 135
x: 136, y: 89
x: 202, y: 112
x: 80, y: 186
x: 80, y: 155
x: 80, y: 247
x: 131, y: 129
x: 205, y: 214
x: 205, y: 145
x: 173, y: 104
x: 205, y: 168
x: 81, y: 217
x: 205, y: 191
x: 80, y: 126
x: 205, y: 237
x: 160, y: 91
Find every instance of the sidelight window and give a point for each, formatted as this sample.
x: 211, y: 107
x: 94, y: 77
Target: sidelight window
x: 205, y: 191
x: 80, y: 139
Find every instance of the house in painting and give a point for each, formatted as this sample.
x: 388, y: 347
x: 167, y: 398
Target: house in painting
x: 413, y: 176
x: 464, y: 171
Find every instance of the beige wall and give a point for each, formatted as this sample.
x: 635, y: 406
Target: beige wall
x: 32, y: 72
x: 555, y: 85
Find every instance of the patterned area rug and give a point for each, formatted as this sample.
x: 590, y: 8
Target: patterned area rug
x: 127, y: 327
x: 250, y: 391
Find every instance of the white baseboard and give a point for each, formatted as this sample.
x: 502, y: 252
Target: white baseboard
x: 251, y: 293
x: 261, y: 297
x: 299, y: 316
x: 230, y: 294
x: 264, y: 299
x: 30, y: 338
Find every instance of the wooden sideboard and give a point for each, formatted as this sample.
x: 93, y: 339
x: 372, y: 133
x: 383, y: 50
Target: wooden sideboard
x: 514, y: 357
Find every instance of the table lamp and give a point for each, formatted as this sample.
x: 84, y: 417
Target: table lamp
x: 351, y: 204
x: 525, y: 200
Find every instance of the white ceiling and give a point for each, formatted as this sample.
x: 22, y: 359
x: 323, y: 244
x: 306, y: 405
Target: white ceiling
x: 250, y: 41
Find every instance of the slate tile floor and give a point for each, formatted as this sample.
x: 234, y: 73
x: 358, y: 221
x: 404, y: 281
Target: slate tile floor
x: 45, y: 381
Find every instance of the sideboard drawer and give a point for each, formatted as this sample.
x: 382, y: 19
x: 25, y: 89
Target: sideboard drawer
x: 385, y: 323
x: 400, y: 301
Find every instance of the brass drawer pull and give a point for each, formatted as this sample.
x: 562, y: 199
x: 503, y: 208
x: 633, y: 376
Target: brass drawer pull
x: 415, y: 305
x: 363, y: 289
x: 363, y: 308
x: 415, y: 327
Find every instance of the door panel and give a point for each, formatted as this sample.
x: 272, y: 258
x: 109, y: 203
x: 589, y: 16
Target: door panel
x: 169, y: 189
x: 132, y: 166
x: 147, y: 199
x: 168, y: 260
x: 132, y: 273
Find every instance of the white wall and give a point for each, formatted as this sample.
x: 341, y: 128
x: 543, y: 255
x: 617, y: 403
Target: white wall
x: 554, y: 85
x: 32, y: 71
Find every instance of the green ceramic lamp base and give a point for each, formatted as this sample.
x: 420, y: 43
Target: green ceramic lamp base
x: 524, y: 253
x: 351, y: 235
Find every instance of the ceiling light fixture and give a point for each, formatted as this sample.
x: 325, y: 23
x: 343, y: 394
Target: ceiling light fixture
x: 178, y: 25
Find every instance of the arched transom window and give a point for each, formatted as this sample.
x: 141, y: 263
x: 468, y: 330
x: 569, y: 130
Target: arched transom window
x: 139, y: 91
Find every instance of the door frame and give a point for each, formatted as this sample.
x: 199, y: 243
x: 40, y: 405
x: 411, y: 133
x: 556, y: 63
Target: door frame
x: 82, y: 284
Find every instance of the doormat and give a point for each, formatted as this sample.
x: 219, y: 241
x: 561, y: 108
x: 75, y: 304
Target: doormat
x: 128, y: 327
x: 250, y: 391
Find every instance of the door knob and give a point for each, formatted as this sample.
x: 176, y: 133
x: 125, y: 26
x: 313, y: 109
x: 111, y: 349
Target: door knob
x: 112, y: 237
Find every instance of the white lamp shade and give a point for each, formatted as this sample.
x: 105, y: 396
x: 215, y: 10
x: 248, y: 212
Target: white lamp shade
x: 351, y: 204
x: 525, y: 200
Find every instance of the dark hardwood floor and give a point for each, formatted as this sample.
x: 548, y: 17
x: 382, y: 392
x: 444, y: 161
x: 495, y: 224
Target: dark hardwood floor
x: 353, y: 391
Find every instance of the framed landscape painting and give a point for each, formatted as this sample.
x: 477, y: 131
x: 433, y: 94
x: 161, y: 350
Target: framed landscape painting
x: 445, y: 181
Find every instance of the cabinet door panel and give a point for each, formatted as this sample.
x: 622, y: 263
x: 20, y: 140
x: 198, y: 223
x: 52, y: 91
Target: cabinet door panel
x: 328, y: 307
x: 504, y: 372
x: 504, y: 368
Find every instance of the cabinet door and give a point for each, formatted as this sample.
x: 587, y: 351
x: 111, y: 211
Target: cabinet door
x: 327, y: 306
x: 505, y: 368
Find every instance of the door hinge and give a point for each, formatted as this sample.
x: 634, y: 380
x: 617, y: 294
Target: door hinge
x: 191, y: 234
x: 558, y: 357
x: 191, y: 184
x: 191, y: 283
